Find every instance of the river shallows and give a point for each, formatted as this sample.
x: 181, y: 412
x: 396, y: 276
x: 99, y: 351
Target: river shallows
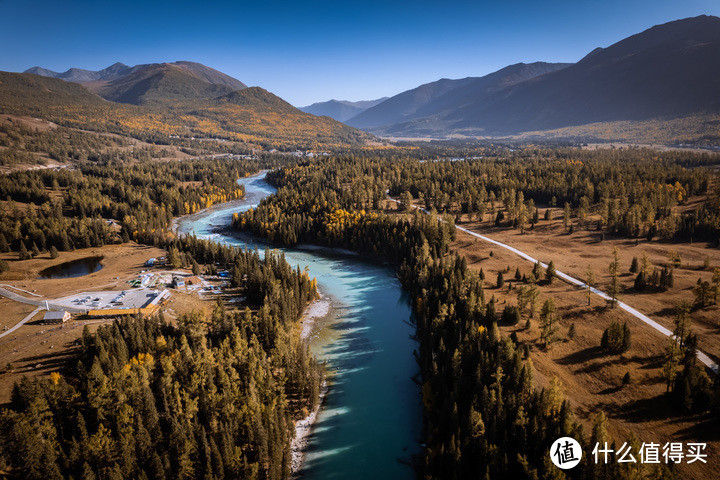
x: 370, y: 424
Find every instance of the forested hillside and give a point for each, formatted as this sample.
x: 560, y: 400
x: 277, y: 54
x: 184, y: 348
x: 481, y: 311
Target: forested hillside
x: 251, y: 117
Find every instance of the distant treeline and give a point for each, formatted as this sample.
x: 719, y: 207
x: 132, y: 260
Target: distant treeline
x: 107, y: 203
x: 631, y: 193
x: 634, y: 192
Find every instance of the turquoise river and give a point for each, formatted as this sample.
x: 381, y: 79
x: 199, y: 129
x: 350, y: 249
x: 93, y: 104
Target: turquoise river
x: 370, y: 423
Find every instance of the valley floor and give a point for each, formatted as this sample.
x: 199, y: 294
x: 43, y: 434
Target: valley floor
x: 592, y: 379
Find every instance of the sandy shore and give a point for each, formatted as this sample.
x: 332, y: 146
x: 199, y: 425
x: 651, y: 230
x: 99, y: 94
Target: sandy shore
x: 303, y: 427
x: 317, y: 309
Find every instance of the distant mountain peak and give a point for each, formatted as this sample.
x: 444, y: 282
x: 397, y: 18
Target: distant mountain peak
x: 340, y: 110
x: 41, y: 71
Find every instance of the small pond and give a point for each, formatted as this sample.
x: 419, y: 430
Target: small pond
x: 74, y: 268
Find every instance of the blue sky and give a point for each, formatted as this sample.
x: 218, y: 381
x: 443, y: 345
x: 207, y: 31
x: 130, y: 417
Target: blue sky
x: 316, y: 50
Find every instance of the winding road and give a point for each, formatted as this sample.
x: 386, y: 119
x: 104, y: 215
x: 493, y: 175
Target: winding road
x: 703, y: 357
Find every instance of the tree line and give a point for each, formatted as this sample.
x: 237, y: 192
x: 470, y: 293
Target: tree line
x: 98, y: 204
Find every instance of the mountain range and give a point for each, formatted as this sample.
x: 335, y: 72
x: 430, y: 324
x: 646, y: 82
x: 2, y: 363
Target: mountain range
x: 663, y: 82
x: 669, y: 71
x: 340, y: 110
x: 149, y: 83
x: 160, y: 101
x: 446, y: 94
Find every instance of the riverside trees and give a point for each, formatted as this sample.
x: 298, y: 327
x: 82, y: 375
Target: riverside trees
x: 81, y: 208
x: 213, y: 397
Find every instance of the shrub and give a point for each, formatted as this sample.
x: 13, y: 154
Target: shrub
x: 510, y: 315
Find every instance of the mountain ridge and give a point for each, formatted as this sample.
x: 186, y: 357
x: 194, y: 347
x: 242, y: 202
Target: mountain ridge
x: 668, y: 71
x: 251, y: 117
x: 148, y: 83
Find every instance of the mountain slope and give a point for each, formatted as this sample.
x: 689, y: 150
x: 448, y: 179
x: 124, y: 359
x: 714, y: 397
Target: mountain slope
x: 340, y: 110
x: 33, y: 93
x: 668, y: 71
x: 211, y: 75
x: 429, y: 119
x: 221, y: 119
x: 483, y: 88
x: 399, y: 107
x: 150, y: 83
x: 42, y: 71
x: 160, y: 82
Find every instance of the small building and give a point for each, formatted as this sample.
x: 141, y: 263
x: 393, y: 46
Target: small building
x: 178, y: 282
x: 61, y: 316
x: 150, y: 262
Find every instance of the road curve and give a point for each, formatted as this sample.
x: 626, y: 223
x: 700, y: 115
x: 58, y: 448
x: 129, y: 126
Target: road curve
x: 21, y: 323
x: 704, y: 358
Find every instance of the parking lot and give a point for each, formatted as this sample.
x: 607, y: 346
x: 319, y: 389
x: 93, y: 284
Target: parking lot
x: 109, y: 300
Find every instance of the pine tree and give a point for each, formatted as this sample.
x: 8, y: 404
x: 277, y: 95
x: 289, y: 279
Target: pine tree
x: 550, y: 273
x: 589, y: 283
x: 634, y: 265
x: 716, y: 285
x: 537, y: 271
x: 174, y: 257
x: 566, y: 215
x: 548, y: 322
x: 615, y: 288
x: 640, y: 282
x: 571, y: 331
x: 406, y: 201
x: 23, y: 254
x: 703, y: 292
x: 4, y: 247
